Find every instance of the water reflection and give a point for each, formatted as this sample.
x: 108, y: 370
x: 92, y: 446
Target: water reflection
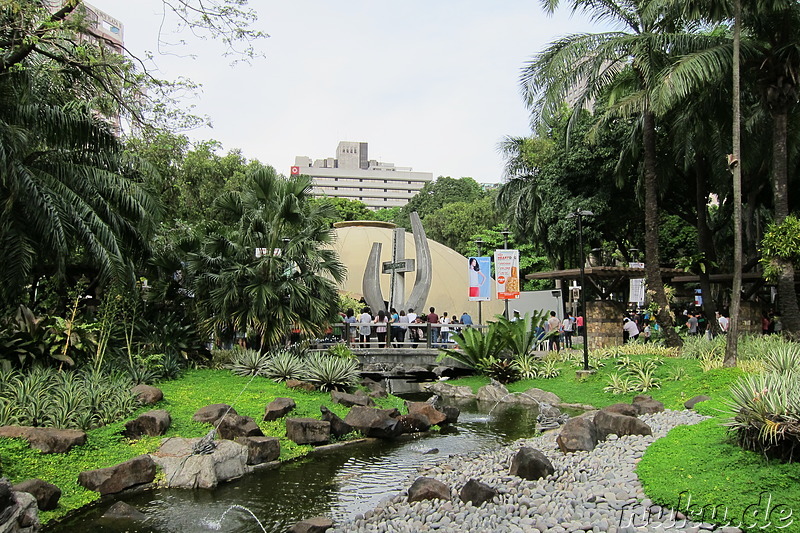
x: 339, y: 484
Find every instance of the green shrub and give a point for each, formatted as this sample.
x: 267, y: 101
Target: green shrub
x: 341, y: 350
x: 503, y: 370
x: 477, y: 348
x: 331, y: 373
x: 527, y: 365
x: 284, y: 365
x: 248, y: 363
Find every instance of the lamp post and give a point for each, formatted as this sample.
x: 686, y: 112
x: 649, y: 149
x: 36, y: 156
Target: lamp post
x: 579, y: 214
x: 479, y: 244
x: 505, y: 233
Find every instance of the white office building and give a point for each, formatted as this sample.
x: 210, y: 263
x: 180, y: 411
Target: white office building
x: 352, y: 175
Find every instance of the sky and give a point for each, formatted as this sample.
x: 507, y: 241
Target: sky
x: 429, y: 84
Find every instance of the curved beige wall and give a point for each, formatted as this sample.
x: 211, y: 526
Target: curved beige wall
x: 449, y: 290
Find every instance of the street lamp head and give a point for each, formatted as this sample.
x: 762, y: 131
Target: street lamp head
x: 580, y: 213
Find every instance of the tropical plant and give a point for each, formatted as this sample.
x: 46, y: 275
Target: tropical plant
x: 677, y: 374
x: 548, y: 369
x: 503, y: 370
x: 520, y: 336
x: 249, y: 363
x: 341, y: 350
x: 527, y: 365
x: 784, y: 360
x: 476, y: 346
x: 284, y: 365
x: 618, y: 383
x: 331, y: 373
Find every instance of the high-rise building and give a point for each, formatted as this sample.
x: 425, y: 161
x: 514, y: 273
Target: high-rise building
x: 353, y: 175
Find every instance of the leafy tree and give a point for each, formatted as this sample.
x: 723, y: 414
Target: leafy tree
x: 436, y: 194
x: 347, y: 209
x: 456, y: 224
x: 386, y: 214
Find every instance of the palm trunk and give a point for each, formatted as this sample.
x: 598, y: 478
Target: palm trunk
x: 731, y: 346
x: 705, y: 244
x: 652, y: 263
x: 787, y: 295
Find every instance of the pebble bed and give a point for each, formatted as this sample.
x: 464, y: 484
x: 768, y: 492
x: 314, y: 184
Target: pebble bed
x: 594, y: 491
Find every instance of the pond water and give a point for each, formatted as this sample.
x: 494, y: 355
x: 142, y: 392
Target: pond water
x: 339, y: 483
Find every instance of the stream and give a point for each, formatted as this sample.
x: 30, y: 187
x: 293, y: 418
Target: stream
x: 339, y: 483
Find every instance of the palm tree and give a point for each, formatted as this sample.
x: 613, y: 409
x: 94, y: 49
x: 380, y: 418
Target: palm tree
x: 271, y: 267
x: 624, y: 66
x: 66, y: 192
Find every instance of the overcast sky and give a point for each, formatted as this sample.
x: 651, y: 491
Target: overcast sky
x: 429, y: 84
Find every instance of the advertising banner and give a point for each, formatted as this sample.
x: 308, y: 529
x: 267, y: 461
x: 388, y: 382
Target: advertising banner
x: 637, y: 287
x: 479, y: 287
x: 506, y: 268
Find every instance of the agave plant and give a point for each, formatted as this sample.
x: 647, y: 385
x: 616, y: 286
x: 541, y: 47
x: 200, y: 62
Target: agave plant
x: 283, y: 365
x: 618, y: 384
x: 527, y: 365
x: 548, y: 369
x: 476, y: 347
x: 331, y: 373
x: 783, y: 359
x: 249, y: 363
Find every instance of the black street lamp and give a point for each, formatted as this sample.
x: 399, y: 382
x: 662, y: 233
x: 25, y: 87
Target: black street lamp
x: 579, y: 214
x: 479, y: 244
x: 505, y: 233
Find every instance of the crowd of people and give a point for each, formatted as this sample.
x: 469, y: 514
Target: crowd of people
x: 397, y: 329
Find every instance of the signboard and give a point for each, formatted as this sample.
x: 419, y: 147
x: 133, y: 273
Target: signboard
x: 406, y: 265
x: 479, y: 286
x: 637, y: 287
x: 506, y: 269
x: 295, y: 171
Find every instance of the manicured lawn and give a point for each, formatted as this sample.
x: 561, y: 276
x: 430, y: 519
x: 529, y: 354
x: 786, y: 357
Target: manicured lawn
x: 182, y: 397
x: 698, y: 460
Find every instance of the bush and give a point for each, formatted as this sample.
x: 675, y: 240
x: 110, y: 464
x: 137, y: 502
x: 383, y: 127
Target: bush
x: 249, y: 363
x: 283, y: 365
x: 503, y: 370
x: 331, y: 373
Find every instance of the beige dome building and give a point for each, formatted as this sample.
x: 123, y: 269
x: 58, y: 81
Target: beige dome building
x: 450, y: 282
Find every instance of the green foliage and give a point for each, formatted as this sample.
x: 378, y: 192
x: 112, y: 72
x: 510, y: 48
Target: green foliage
x: 284, y: 365
x: 502, y: 370
x: 476, y: 347
x: 330, y: 372
x: 456, y: 224
x: 520, y: 336
x: 436, y: 194
x: 248, y: 362
x: 780, y: 246
x: 341, y: 350
x: 527, y: 365
x: 346, y: 209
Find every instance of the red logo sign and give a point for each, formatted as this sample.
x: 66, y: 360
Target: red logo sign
x: 295, y: 171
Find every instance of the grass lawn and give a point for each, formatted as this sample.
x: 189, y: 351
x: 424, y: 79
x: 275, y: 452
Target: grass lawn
x: 698, y: 460
x: 182, y: 397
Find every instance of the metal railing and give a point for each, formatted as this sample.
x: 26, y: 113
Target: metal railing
x: 414, y: 335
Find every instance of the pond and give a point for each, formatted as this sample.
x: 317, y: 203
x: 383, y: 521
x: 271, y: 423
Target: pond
x: 339, y: 483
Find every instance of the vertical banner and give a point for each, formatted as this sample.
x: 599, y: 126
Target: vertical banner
x: 637, y: 287
x: 506, y: 269
x: 479, y: 269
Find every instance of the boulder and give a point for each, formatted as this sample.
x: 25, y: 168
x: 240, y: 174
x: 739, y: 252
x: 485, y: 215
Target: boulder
x: 538, y: 396
x: 18, y: 512
x: 689, y: 404
x: 46, y: 494
x: 622, y: 409
x: 495, y: 392
x: 211, y: 413
x: 318, y: 524
x: 412, y: 424
x: 378, y: 423
x: 578, y: 435
x: 376, y: 390
x: 349, y: 400
x: 451, y: 391
x: 232, y: 426
x: 647, y: 405
x: 338, y: 426
x: 451, y: 412
x: 608, y: 423
x: 278, y: 408
x: 476, y: 492
x: 424, y: 409
x: 124, y: 511
x: 151, y: 423
x: 531, y: 464
x: 260, y: 449
x: 308, y: 430
x: 119, y: 477
x: 183, y: 470
x: 378, y: 394
x: 427, y: 488
x: 548, y: 411
x: 302, y: 385
x: 48, y: 440
x: 146, y: 394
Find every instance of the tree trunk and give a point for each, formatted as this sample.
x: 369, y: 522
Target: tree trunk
x: 705, y: 244
x: 652, y: 263
x: 787, y: 295
x: 731, y: 346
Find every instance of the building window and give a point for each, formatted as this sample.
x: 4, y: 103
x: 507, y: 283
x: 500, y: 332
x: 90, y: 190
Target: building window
x: 335, y: 179
x: 361, y: 188
x: 360, y: 180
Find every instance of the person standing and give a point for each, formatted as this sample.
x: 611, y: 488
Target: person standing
x: 567, y: 328
x: 691, y: 324
x: 579, y: 325
x: 394, y: 329
x: 630, y: 331
x: 723, y: 322
x: 365, y: 329
x: 433, y: 318
x: 466, y: 319
x: 382, y: 322
x: 554, y: 332
x: 350, y: 319
x: 444, y: 335
x: 413, y: 331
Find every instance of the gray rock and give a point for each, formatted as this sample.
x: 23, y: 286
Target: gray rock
x: 451, y: 391
x: 622, y: 409
x: 451, y: 412
x: 124, y: 511
x: 260, y: 449
x: 427, y: 488
x: 186, y: 471
x: 349, y: 400
x: 46, y: 494
x: 211, y: 413
x: 146, y: 394
x: 318, y: 524
x: 136, y: 471
x: 308, y: 430
x: 151, y: 423
x: 47, y: 440
x: 578, y: 434
x: 647, y: 405
x: 495, y: 392
x: 476, y: 492
x: 689, y: 404
x: 531, y: 464
x: 412, y: 424
x: 539, y: 396
x: 608, y: 423
x: 19, y: 515
x: 278, y: 408
x: 231, y: 426
x: 338, y: 426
